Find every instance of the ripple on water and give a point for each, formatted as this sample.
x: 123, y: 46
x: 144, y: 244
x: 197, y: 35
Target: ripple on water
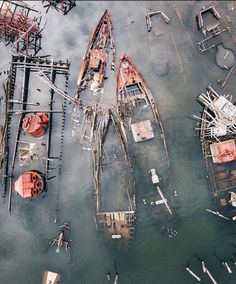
x: 6, y: 248
x: 161, y: 68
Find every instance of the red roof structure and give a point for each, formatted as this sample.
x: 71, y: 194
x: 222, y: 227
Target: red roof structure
x: 35, y: 124
x: 29, y: 184
x: 223, y: 152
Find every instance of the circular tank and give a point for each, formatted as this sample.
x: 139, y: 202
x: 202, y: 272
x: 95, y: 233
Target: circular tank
x: 29, y: 184
x: 35, y: 124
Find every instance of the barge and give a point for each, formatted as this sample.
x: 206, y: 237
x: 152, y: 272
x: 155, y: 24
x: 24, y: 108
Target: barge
x: 31, y: 110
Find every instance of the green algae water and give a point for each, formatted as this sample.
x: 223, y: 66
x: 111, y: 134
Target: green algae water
x: 176, y: 72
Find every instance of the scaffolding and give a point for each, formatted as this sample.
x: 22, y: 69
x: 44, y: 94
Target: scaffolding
x: 60, y: 5
x: 20, y: 27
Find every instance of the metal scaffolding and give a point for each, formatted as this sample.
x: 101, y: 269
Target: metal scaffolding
x: 20, y: 27
x: 60, y: 5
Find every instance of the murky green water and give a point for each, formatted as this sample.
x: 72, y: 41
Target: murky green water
x: 176, y: 73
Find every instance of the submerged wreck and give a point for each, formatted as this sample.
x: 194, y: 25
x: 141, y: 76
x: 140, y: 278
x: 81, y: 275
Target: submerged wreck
x: 140, y: 118
x: 115, y: 203
x: 218, y: 136
x: 30, y: 158
x: 134, y: 102
x: 93, y: 75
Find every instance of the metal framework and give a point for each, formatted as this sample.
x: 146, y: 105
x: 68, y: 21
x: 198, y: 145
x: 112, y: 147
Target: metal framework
x: 60, y: 5
x: 14, y: 116
x: 210, y: 29
x: 20, y: 27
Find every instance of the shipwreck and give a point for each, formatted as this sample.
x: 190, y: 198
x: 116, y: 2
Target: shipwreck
x: 115, y: 203
x: 217, y: 132
x: 85, y: 119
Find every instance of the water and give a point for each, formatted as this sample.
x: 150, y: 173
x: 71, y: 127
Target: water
x: 176, y: 73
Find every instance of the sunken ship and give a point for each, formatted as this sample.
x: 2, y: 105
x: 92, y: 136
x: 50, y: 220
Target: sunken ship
x: 138, y: 111
x: 115, y: 202
x: 90, y: 83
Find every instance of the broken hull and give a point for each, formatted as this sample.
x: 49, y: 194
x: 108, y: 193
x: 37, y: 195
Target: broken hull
x: 95, y: 59
x: 139, y: 113
x: 114, y: 183
x: 25, y: 152
x: 85, y: 119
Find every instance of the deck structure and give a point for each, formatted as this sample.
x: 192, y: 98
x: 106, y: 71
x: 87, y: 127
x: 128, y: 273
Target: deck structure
x: 115, y: 202
x: 20, y: 27
x: 63, y: 6
x: 218, y: 136
x: 26, y: 96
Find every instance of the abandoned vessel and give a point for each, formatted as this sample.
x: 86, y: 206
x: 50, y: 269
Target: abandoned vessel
x: 139, y: 114
x: 218, y: 135
x: 115, y: 202
x: 93, y: 75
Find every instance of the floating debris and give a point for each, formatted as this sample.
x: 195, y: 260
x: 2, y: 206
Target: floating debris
x: 163, y: 200
x: 205, y: 270
x: 193, y: 274
x: 151, y: 14
x: 217, y: 213
x: 62, y: 239
x: 60, y: 5
x: 50, y: 277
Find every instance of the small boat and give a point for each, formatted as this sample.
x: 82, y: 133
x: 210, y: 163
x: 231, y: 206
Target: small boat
x: 115, y: 202
x: 50, y: 277
x: 193, y: 274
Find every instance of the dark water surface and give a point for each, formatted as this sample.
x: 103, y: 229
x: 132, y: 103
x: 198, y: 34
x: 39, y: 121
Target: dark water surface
x: 176, y: 73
